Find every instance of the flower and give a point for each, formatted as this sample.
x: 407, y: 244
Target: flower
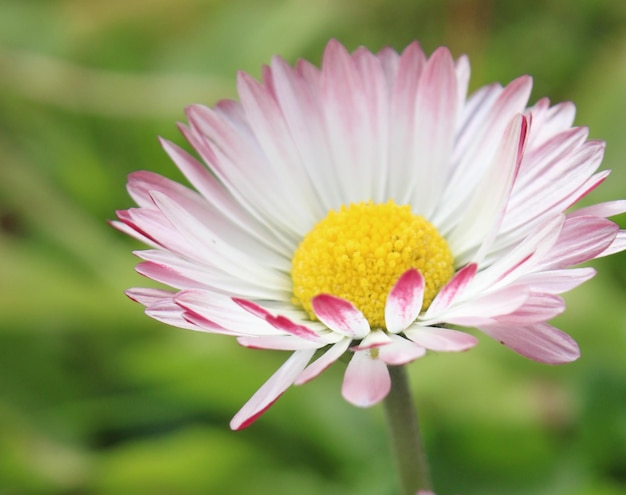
x: 362, y: 207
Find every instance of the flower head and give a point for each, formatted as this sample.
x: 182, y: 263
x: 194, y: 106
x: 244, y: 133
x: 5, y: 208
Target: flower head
x: 362, y: 207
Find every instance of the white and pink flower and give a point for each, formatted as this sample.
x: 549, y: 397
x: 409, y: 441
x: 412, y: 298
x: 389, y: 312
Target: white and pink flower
x: 492, y: 175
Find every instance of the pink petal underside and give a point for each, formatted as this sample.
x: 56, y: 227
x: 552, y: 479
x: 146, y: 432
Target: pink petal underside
x: 271, y: 390
x: 451, y: 290
x: 341, y: 316
x: 582, y: 239
x: 607, y: 209
x: 277, y: 342
x: 323, y: 362
x: 481, y: 309
x: 557, y: 281
x: 366, y: 381
x: 441, y: 339
x: 617, y: 246
x: 537, y: 308
x: 404, y: 301
x: 400, y: 351
x: 540, y: 342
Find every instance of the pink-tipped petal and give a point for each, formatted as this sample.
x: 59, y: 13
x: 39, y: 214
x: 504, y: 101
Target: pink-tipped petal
x: 341, y: 316
x: 441, y: 339
x: 404, y: 301
x: 540, y: 342
x: 280, y: 322
x: 366, y: 381
x: 400, y: 351
x: 271, y: 390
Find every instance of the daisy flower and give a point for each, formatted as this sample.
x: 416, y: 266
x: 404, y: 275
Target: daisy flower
x: 364, y: 207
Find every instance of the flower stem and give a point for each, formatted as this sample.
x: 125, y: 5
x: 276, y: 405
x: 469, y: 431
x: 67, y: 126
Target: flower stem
x: 405, y: 436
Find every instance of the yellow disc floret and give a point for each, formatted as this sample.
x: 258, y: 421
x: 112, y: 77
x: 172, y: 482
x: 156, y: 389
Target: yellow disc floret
x: 359, y: 252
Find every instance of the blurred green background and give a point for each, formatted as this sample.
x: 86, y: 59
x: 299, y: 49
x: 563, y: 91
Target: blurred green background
x: 95, y: 398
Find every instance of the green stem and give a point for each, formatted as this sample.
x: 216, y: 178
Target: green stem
x: 405, y: 437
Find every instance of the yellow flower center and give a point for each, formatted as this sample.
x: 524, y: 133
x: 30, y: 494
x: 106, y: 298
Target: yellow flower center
x: 359, y: 252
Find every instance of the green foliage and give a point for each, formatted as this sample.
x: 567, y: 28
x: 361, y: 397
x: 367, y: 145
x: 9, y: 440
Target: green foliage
x: 96, y: 398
